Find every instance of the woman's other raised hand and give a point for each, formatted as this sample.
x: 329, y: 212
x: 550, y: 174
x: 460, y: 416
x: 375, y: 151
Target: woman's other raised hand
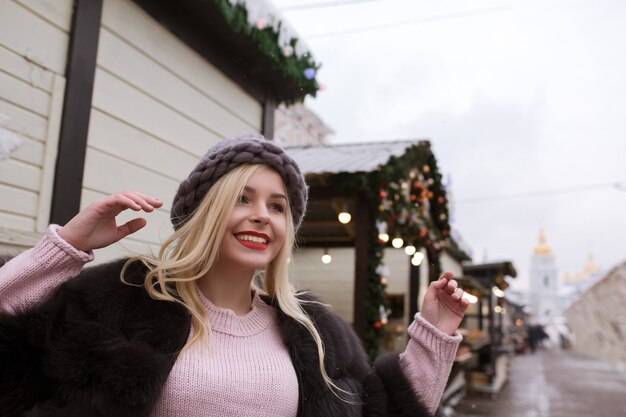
x: 444, y: 305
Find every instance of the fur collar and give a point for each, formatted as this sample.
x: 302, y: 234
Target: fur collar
x: 100, y: 347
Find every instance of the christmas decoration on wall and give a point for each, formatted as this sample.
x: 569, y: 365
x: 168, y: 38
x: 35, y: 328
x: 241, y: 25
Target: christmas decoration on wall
x: 409, y: 208
x: 275, y: 38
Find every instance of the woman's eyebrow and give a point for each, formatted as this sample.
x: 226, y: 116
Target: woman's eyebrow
x: 273, y: 195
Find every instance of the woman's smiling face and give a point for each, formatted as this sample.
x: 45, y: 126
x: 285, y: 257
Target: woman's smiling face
x: 255, y: 232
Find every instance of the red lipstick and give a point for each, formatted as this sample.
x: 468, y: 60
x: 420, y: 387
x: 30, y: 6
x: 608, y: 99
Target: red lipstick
x: 246, y: 238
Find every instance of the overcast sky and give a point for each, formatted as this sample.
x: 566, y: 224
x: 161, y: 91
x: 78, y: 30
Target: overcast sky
x: 516, y: 98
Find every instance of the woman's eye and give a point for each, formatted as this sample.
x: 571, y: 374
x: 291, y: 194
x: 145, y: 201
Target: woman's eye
x: 243, y: 199
x: 277, y: 208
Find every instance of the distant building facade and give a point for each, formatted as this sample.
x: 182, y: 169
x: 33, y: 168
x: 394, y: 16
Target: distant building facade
x: 297, y: 125
x: 575, y: 284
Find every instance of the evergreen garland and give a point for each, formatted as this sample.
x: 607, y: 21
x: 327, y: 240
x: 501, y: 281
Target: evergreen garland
x: 408, y: 195
x: 266, y: 40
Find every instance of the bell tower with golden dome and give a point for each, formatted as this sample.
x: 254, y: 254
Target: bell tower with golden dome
x: 544, y: 285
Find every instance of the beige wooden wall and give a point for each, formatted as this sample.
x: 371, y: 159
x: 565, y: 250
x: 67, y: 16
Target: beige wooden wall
x: 34, y: 36
x: 157, y: 107
x: 334, y: 283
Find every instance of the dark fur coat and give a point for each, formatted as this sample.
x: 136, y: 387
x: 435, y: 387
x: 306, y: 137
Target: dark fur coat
x: 97, y: 347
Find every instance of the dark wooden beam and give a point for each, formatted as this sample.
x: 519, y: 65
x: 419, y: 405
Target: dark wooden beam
x: 327, y: 193
x: 362, y: 220
x: 80, y: 73
x: 269, y: 108
x: 414, y: 289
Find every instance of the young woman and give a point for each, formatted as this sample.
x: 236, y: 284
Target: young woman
x: 189, y: 333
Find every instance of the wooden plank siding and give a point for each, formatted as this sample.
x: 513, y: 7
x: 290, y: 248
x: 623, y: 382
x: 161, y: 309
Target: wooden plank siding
x: 31, y: 36
x: 333, y: 283
x: 157, y: 107
x: 33, y: 51
x: 131, y: 23
x: 160, y: 83
x: 56, y: 12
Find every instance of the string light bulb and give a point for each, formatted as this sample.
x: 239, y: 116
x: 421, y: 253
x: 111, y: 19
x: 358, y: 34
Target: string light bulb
x: 417, y: 258
x: 309, y: 73
x: 498, y: 292
x: 397, y: 242
x: 344, y: 216
x: 470, y: 297
x: 288, y: 50
x: 384, y: 237
x: 410, y: 250
x: 326, y: 258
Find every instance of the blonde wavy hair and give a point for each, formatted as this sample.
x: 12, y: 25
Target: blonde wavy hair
x: 190, y: 252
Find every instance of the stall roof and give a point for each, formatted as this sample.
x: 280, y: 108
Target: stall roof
x: 349, y: 157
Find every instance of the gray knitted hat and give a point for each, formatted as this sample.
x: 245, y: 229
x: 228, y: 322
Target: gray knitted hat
x: 229, y: 154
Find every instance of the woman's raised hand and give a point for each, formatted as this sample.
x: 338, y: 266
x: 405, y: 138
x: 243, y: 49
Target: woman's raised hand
x: 444, y: 305
x: 95, y: 226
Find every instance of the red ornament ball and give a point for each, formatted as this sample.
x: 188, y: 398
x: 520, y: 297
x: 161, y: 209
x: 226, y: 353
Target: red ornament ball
x: 378, y: 325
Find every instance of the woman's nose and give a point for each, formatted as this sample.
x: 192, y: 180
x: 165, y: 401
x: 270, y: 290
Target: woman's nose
x: 261, y: 214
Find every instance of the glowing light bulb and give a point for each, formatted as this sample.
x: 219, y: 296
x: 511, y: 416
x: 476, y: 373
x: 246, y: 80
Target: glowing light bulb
x: 410, y: 250
x: 397, y: 242
x: 471, y: 298
x: 384, y: 237
x: 326, y: 258
x: 288, y: 50
x: 417, y: 259
x: 344, y: 217
x: 498, y: 292
x: 309, y: 73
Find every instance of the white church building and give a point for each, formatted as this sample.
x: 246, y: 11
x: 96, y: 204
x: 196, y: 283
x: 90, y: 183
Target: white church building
x: 543, y: 293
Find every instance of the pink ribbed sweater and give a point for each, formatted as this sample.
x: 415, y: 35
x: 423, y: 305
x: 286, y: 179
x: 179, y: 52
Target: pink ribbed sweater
x: 246, y: 369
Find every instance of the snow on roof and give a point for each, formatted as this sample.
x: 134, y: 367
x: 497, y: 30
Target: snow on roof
x: 349, y: 157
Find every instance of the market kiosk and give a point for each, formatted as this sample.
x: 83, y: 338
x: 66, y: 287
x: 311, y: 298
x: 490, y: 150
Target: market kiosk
x: 488, y: 330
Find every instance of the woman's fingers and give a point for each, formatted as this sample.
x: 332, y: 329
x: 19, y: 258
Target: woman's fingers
x: 457, y: 294
x: 452, y: 286
x: 130, y: 227
x: 145, y: 202
x: 442, y: 281
x: 131, y: 200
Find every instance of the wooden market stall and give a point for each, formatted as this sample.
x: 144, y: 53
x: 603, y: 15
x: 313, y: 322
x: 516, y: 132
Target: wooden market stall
x: 392, y: 246
x: 487, y: 327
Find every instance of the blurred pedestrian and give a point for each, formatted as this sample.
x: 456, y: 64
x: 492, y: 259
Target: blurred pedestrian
x: 536, y: 336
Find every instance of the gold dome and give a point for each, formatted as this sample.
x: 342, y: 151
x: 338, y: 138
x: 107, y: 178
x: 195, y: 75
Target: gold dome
x: 567, y: 277
x: 542, y: 248
x: 591, y: 266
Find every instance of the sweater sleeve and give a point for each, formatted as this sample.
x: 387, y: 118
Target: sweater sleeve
x: 427, y: 360
x: 31, y: 275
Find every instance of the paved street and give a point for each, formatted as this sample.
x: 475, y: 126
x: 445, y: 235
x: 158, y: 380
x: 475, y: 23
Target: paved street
x: 554, y: 383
